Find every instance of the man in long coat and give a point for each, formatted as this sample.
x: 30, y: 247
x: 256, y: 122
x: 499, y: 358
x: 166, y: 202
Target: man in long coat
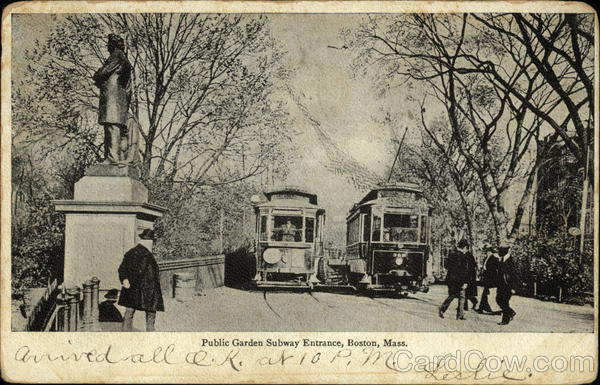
x: 141, y: 290
x: 456, y: 279
x: 507, y: 284
x: 471, y: 290
x: 489, y: 278
x: 114, y: 79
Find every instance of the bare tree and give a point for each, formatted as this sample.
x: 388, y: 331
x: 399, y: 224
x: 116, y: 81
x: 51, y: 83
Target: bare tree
x: 560, y: 49
x: 492, y: 133
x: 203, y: 88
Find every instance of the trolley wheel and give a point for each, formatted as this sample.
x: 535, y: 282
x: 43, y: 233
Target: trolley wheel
x: 362, y: 288
x: 345, y: 278
x: 321, y: 269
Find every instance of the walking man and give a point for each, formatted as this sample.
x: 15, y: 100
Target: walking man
x: 489, y: 278
x: 507, y: 283
x: 138, y: 274
x: 471, y: 290
x: 456, y: 279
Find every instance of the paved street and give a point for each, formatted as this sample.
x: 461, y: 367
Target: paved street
x: 228, y: 309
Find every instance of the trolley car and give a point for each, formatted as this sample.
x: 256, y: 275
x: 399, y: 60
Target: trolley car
x: 289, y: 226
x: 387, y: 240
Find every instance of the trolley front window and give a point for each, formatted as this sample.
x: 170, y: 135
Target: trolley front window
x: 400, y: 228
x: 286, y: 228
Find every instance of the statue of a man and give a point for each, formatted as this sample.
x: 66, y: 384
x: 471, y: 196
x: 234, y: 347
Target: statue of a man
x: 114, y: 81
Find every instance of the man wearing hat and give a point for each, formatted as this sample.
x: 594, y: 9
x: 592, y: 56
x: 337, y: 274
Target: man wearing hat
x: 114, y: 81
x: 457, y: 278
x: 471, y: 290
x: 507, y: 283
x: 141, y: 290
x: 489, y: 277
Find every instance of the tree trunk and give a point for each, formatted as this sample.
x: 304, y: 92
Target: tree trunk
x: 523, y: 202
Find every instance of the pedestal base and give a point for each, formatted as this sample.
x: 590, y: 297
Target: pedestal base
x: 102, y: 223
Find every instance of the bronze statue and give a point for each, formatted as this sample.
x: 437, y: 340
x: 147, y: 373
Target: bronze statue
x: 114, y: 79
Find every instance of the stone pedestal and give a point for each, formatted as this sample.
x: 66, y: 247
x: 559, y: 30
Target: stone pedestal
x: 103, y: 222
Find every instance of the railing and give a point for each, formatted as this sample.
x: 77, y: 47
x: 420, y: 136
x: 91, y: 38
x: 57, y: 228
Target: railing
x: 42, y: 307
x: 70, y: 310
x: 177, y: 264
x: 208, y: 271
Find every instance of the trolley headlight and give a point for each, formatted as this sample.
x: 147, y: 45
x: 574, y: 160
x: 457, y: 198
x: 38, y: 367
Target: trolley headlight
x: 272, y: 256
x: 399, y: 258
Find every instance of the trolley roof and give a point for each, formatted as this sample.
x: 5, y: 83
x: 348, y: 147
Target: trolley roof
x: 289, y: 196
x: 395, y: 195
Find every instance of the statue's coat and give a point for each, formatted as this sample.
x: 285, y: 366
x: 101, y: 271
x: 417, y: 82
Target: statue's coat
x: 114, y: 81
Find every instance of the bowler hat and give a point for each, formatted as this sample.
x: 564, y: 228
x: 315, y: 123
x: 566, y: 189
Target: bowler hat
x: 111, y: 294
x: 147, y: 234
x: 463, y: 243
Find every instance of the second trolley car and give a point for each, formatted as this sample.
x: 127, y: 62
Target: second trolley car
x: 387, y: 242
x: 289, y: 226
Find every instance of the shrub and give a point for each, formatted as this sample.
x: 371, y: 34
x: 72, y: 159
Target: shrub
x: 555, y: 262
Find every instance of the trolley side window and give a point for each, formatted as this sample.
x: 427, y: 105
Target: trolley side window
x: 353, y: 231
x: 263, y: 228
x: 376, y: 227
x: 400, y: 228
x: 286, y: 228
x: 310, y: 229
x: 424, y: 229
x: 366, y: 227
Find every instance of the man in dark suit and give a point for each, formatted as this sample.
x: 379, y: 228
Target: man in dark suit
x: 141, y: 290
x: 114, y: 81
x: 471, y: 290
x: 456, y: 279
x: 507, y: 283
x: 489, y: 278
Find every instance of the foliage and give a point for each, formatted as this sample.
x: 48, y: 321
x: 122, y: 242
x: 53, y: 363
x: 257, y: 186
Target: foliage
x: 201, y: 221
x: 556, y: 262
x: 37, y: 231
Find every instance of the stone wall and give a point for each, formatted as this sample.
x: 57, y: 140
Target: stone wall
x: 208, y: 270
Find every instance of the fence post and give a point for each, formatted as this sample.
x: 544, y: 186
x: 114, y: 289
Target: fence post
x: 66, y: 313
x: 534, y: 289
x: 560, y: 294
x: 62, y: 313
x: 95, y: 298
x: 87, y: 302
x: 74, y: 301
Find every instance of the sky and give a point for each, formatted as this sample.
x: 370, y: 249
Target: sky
x: 346, y: 106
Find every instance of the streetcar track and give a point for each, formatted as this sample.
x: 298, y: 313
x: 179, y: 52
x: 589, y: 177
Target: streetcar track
x: 269, y: 305
x: 322, y: 303
x: 414, y: 312
x: 381, y: 302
